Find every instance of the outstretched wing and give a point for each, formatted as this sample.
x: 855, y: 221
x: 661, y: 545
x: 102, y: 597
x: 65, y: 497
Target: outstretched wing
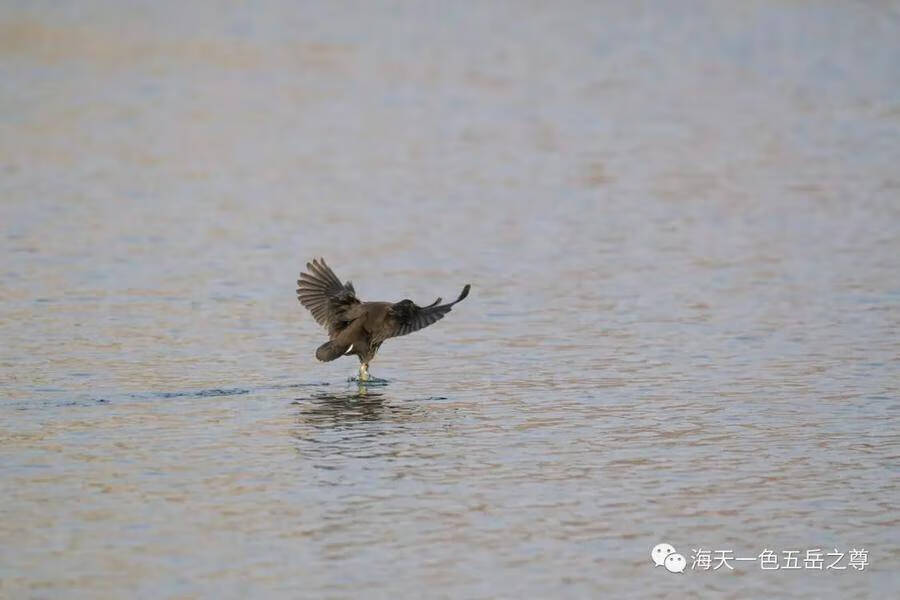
x: 406, y: 317
x: 329, y: 300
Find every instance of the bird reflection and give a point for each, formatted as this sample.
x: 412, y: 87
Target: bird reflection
x: 364, y: 405
x: 360, y: 423
x: 328, y: 409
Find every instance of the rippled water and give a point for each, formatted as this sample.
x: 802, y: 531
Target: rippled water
x: 681, y: 222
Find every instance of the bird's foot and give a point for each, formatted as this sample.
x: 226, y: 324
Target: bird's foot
x: 365, y: 378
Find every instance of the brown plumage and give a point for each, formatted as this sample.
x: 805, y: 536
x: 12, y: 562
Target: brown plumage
x: 355, y: 327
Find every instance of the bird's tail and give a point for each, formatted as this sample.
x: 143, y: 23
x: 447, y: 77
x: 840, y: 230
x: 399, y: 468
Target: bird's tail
x: 330, y: 351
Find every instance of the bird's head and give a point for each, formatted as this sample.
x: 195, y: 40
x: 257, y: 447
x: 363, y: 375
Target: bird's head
x: 404, y: 308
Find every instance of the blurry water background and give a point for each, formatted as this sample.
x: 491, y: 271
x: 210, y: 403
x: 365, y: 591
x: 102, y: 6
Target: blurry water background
x: 681, y: 221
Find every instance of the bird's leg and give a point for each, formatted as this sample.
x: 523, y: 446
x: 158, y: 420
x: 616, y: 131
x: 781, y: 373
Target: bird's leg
x: 364, y: 372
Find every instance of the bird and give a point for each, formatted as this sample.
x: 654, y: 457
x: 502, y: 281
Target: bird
x: 356, y: 327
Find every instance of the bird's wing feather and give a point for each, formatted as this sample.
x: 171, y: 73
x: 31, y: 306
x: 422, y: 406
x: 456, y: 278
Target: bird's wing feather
x: 406, y: 317
x: 329, y: 300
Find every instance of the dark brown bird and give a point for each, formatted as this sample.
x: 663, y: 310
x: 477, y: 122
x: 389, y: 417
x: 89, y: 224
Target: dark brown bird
x: 356, y: 327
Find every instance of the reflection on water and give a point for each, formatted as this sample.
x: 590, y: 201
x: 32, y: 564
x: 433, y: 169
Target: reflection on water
x: 349, y: 423
x: 330, y: 409
x: 679, y: 219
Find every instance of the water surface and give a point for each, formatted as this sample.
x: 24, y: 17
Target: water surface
x: 680, y: 222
